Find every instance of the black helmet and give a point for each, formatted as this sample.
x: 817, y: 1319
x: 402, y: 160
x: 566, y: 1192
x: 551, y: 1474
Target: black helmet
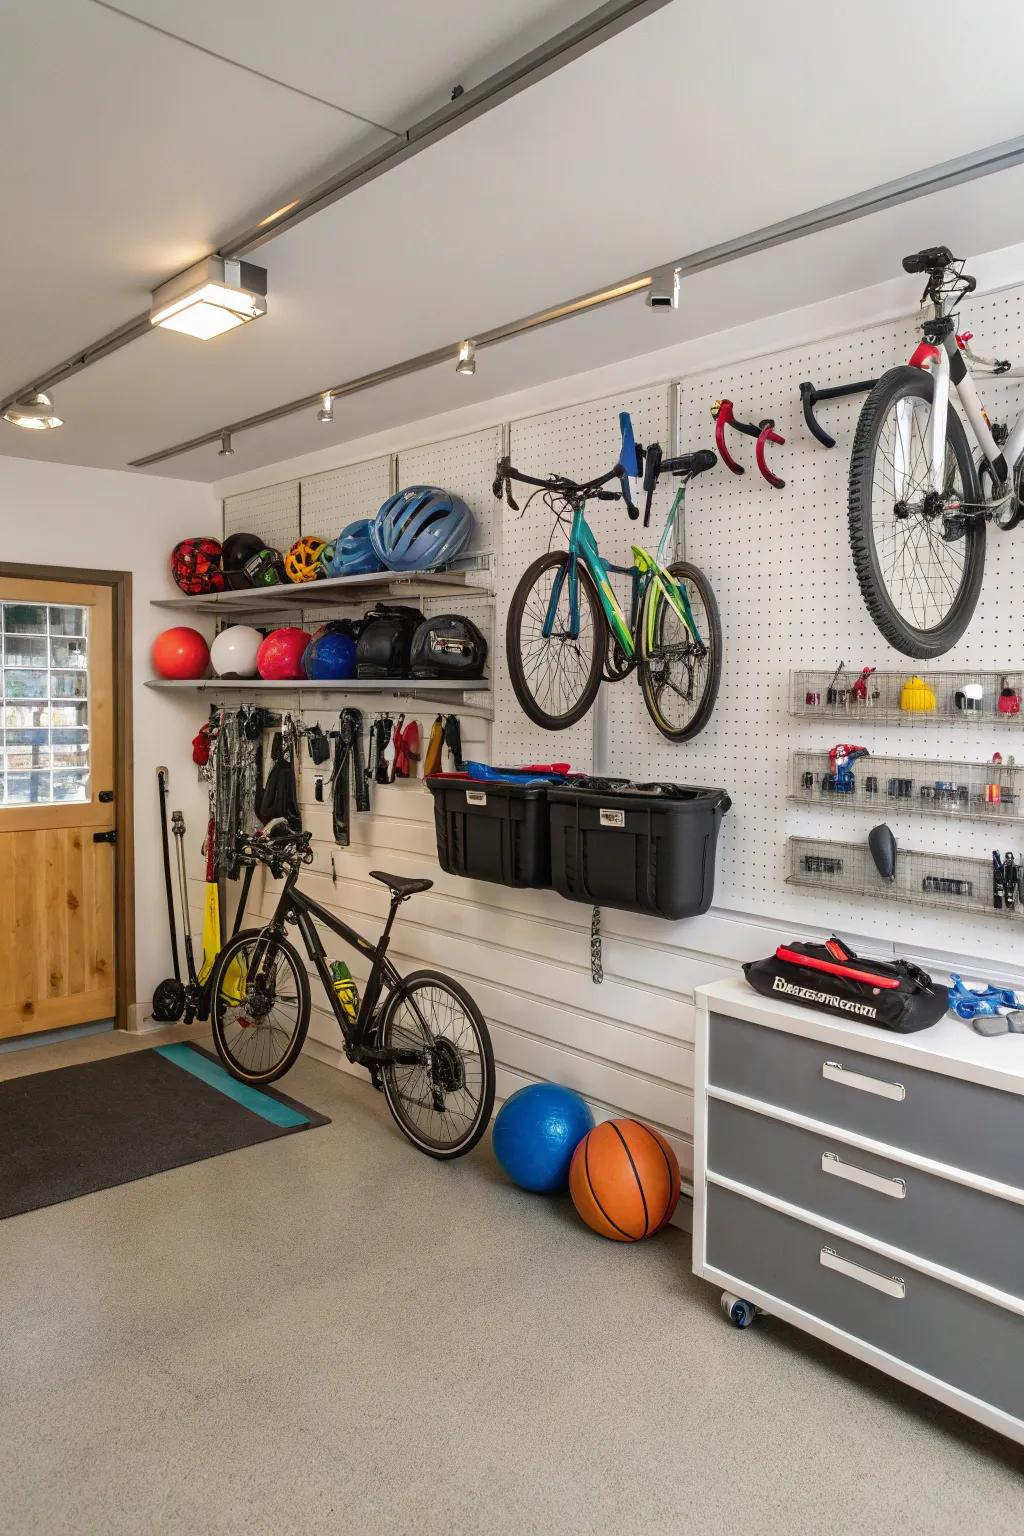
x: 265, y: 569
x: 238, y: 548
x: 447, y: 646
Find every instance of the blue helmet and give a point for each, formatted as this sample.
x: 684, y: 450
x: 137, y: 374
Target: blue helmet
x: 353, y: 553
x: 421, y: 528
x: 331, y: 654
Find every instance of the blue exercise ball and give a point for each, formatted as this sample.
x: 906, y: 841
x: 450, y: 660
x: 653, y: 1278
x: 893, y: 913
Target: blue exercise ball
x: 537, y: 1131
x: 330, y: 657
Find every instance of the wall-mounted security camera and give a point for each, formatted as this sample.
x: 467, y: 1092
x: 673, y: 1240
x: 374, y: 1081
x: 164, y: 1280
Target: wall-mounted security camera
x: 664, y: 290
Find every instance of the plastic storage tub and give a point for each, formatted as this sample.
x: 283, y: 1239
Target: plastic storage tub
x: 487, y: 830
x: 636, y: 849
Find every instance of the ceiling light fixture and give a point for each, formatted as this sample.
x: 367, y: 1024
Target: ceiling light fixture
x: 326, y: 411
x: 212, y: 297
x: 225, y: 450
x: 664, y: 290
x: 34, y: 412
x: 467, y: 358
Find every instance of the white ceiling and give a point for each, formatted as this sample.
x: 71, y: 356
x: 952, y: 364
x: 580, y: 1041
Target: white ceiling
x: 681, y: 132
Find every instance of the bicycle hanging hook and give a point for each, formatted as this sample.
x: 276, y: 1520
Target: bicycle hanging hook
x: 724, y: 416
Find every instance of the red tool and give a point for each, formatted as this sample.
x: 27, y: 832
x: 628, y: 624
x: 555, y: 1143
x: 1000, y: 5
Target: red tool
x: 859, y: 689
x: 724, y: 416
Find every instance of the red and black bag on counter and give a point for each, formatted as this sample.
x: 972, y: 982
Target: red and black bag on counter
x: 892, y: 994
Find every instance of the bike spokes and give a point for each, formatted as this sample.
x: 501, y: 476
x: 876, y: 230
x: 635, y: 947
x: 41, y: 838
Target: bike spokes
x: 555, y: 639
x: 257, y: 1020
x: 440, y: 1099
x: 682, y: 661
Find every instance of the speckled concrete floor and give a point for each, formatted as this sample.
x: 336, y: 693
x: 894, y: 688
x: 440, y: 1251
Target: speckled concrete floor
x: 333, y: 1333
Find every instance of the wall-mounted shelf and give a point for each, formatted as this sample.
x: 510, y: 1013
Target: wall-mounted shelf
x: 938, y: 880
x: 352, y: 685
x: 958, y: 791
x: 337, y: 591
x: 819, y: 695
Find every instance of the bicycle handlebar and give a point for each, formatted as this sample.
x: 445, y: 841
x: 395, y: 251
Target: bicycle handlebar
x: 572, y: 490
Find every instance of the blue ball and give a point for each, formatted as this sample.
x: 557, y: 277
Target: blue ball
x: 537, y: 1131
x: 330, y: 657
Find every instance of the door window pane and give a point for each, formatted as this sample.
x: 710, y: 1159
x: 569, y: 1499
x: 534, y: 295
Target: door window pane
x: 44, y: 704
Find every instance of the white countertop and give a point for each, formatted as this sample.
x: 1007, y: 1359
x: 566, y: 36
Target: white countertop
x: 951, y: 1046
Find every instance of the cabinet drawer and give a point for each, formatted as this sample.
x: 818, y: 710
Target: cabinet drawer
x: 953, y: 1336
x: 977, y: 1235
x: 963, y: 1124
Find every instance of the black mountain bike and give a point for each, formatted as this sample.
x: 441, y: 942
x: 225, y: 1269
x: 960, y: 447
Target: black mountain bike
x: 423, y: 1038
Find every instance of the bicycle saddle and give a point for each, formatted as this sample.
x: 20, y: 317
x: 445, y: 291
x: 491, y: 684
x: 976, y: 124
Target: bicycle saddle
x: 403, y: 886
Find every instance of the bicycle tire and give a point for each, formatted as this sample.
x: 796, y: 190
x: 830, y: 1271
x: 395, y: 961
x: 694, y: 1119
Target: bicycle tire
x: 682, y: 570
x: 513, y: 649
x: 219, y: 1004
x: 485, y: 1105
x: 911, y: 640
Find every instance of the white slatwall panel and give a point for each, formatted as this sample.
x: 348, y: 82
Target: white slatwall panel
x: 464, y: 466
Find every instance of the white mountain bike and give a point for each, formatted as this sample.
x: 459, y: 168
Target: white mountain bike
x: 919, y: 502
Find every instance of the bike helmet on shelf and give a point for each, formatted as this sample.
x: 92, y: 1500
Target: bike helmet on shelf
x: 238, y: 548
x: 264, y: 569
x: 302, y: 562
x: 195, y: 566
x: 421, y: 528
x: 331, y: 654
x: 353, y: 552
x: 324, y: 562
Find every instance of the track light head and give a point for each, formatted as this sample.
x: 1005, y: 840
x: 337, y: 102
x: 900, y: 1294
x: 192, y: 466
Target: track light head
x: 664, y: 290
x: 34, y: 412
x: 467, y: 358
x: 225, y: 450
x: 326, y: 411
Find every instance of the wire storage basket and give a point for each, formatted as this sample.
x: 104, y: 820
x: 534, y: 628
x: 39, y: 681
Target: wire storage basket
x: 907, y: 697
x: 956, y: 789
x: 940, y: 880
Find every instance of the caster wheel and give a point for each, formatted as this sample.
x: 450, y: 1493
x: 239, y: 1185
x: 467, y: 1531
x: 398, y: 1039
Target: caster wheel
x: 739, y: 1312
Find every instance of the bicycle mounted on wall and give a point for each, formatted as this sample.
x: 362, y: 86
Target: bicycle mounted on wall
x: 918, y: 501
x: 566, y: 630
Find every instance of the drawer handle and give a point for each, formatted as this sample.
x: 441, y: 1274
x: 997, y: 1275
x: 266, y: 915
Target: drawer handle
x: 835, y: 1072
x: 890, y: 1285
x: 833, y: 1164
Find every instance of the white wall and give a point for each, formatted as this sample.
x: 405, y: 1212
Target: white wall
x: 627, y: 1045
x: 56, y: 514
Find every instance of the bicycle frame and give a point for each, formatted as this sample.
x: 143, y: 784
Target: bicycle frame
x: 942, y: 358
x: 295, y: 906
x: 645, y: 571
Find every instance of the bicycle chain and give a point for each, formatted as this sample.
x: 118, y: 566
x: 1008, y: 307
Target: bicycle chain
x: 596, y: 966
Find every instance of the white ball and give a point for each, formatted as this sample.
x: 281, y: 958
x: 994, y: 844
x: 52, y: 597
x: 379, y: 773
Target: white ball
x: 233, y: 652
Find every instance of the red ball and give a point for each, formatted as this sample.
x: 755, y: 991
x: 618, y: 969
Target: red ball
x: 279, y: 658
x: 180, y: 653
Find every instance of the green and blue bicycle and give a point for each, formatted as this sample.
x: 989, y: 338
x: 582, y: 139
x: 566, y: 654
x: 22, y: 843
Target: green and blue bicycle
x: 566, y: 631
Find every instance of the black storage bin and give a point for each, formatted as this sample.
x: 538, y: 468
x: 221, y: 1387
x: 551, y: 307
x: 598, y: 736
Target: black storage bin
x: 492, y: 831
x: 641, y: 851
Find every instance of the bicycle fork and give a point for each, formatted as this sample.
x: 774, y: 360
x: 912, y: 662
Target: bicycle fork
x: 670, y: 591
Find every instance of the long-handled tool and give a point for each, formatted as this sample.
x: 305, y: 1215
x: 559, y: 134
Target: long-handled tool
x: 169, y: 997
x: 196, y: 1004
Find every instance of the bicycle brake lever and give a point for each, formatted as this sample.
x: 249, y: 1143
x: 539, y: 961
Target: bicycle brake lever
x: 768, y: 435
x: 500, y: 477
x: 631, y: 507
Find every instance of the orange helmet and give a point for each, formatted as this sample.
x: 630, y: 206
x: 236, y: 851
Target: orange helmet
x: 302, y: 562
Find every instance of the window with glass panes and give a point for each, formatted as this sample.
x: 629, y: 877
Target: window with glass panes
x: 44, y: 704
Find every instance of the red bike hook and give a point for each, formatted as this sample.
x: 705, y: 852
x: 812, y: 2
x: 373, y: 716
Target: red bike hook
x: 724, y: 416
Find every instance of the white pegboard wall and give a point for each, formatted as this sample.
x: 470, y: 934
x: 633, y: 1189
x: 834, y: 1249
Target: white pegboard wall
x: 464, y: 466
x: 271, y: 512
x: 580, y: 442
x: 339, y: 496
x: 781, y: 568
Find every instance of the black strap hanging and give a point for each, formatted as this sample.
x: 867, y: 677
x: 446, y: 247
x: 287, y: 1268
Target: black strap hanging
x: 348, y: 761
x: 453, y: 739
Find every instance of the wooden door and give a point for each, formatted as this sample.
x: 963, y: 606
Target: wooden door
x: 56, y: 794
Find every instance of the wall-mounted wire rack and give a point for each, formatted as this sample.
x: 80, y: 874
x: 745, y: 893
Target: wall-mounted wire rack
x: 957, y: 790
x: 942, y: 880
x: 908, y: 697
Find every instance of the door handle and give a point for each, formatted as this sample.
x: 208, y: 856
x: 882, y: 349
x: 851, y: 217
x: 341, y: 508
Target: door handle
x: 833, y: 1164
x: 889, y: 1285
x: 835, y: 1072
x: 105, y: 837
x: 105, y: 796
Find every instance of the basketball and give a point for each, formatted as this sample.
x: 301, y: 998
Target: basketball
x: 624, y: 1180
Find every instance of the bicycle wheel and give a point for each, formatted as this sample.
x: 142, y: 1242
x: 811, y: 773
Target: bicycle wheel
x: 680, y: 676
x: 259, y: 1009
x: 919, y: 559
x: 555, y: 679
x: 443, y: 1105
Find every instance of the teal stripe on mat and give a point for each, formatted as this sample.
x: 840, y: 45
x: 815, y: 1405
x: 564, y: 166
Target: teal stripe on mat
x: 213, y: 1073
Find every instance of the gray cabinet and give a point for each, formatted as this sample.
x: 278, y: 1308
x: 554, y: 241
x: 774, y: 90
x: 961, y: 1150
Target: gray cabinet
x: 868, y: 1188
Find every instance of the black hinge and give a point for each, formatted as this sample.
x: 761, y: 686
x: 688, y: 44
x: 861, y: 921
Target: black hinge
x: 105, y: 837
x: 105, y: 796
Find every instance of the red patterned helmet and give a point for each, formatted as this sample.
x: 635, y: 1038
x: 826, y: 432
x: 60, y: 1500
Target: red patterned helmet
x: 195, y: 566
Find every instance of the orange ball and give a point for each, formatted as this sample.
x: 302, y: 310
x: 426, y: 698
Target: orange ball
x: 624, y: 1180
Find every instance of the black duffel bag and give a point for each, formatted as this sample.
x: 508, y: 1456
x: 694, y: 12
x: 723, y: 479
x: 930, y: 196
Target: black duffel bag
x: 448, y: 646
x: 385, y: 641
x: 892, y: 994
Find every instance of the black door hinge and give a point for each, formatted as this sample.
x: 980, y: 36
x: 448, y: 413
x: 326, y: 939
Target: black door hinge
x: 105, y: 837
x: 105, y: 796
